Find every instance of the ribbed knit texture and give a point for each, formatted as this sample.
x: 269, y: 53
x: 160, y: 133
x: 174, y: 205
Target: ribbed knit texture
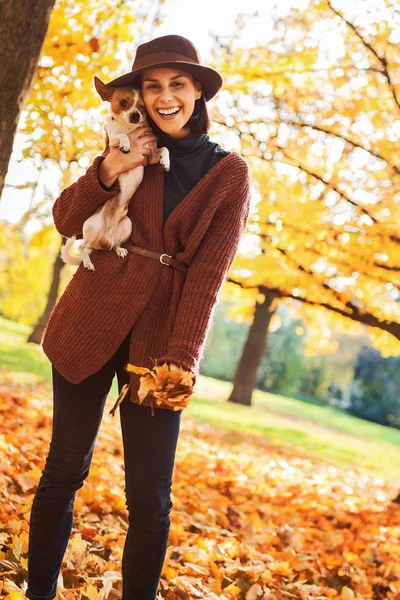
x: 169, y: 311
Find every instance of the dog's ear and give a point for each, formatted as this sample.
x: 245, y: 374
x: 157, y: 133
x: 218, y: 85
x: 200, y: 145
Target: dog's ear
x: 104, y: 90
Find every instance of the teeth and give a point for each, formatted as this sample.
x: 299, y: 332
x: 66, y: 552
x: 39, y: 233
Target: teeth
x: 170, y: 111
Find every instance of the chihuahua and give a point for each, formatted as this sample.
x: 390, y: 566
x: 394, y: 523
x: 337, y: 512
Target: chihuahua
x: 109, y: 226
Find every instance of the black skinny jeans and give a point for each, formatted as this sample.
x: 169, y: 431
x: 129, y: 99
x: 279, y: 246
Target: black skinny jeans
x: 149, y: 453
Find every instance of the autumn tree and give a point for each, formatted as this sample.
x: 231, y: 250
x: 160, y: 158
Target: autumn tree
x: 28, y: 21
x: 62, y: 127
x: 315, y: 111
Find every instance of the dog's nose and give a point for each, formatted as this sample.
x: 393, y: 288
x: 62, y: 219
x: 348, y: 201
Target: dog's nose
x: 134, y: 118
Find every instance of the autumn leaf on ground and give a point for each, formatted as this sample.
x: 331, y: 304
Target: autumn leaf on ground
x: 250, y: 520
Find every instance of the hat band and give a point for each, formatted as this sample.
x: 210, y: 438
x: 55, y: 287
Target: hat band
x: 160, y: 57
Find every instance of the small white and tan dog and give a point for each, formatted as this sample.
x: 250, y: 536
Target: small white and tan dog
x: 109, y: 226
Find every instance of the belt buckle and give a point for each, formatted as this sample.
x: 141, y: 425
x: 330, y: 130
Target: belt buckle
x: 161, y: 260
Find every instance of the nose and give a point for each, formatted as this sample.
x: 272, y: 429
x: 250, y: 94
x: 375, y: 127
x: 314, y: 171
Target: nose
x: 166, y: 95
x: 134, y: 117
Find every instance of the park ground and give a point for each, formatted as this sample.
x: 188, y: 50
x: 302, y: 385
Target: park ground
x: 282, y: 500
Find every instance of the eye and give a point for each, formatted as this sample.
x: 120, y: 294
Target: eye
x: 154, y: 85
x: 123, y: 103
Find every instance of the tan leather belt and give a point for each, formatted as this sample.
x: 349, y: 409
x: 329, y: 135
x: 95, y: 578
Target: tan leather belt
x: 165, y: 259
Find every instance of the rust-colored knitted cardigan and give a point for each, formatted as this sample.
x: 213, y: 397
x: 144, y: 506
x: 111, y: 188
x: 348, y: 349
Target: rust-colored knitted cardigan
x: 170, y: 311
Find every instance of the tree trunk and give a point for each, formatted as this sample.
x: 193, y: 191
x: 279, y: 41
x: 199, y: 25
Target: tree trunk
x: 245, y: 379
x: 37, y: 334
x: 23, y: 26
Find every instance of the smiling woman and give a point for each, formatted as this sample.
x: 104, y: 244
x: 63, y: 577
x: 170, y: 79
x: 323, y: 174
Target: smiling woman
x: 177, y: 111
x: 138, y: 310
x: 170, y: 98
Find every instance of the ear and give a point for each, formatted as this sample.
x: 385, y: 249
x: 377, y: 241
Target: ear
x: 105, y: 91
x: 139, y: 100
x: 199, y: 91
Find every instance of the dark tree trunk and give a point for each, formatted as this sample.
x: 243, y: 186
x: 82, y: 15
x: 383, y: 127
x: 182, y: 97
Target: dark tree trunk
x: 37, y: 334
x: 245, y: 379
x: 23, y: 26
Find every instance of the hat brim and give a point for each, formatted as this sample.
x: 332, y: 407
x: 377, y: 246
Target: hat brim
x: 210, y: 79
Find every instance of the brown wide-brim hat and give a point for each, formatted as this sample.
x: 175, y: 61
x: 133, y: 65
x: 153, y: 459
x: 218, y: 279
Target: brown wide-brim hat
x: 171, y: 51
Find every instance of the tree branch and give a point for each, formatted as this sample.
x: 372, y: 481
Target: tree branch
x: 391, y: 327
x: 382, y: 59
x: 349, y: 141
x: 328, y: 183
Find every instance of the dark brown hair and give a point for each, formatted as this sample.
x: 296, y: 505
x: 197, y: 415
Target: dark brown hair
x: 199, y: 122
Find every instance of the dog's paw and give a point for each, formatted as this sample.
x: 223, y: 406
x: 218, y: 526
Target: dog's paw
x: 125, y: 149
x: 164, y: 159
x: 121, y: 252
x: 89, y: 265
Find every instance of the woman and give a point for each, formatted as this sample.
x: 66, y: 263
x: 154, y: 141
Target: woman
x: 137, y: 309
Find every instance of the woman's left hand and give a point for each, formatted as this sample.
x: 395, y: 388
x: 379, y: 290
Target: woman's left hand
x: 173, y: 367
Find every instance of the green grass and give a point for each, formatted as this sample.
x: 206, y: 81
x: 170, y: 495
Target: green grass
x: 308, y: 437
x: 299, y: 410
x: 27, y: 361
x: 303, y: 427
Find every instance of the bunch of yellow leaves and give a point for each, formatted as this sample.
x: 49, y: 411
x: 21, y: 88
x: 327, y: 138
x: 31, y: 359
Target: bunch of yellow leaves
x: 171, y: 388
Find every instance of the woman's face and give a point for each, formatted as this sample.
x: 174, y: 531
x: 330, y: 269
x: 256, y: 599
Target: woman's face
x: 171, y: 90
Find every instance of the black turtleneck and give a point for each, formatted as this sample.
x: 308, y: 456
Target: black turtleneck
x: 191, y: 157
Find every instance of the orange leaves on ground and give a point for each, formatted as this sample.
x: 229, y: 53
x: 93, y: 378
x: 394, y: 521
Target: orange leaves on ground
x: 250, y: 520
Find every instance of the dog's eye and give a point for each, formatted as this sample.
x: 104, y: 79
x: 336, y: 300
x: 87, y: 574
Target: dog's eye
x: 123, y: 103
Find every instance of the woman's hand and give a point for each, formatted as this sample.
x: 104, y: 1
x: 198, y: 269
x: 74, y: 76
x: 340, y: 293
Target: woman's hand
x: 175, y: 367
x: 117, y: 162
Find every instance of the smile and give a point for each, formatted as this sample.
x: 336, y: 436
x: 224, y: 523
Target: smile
x: 168, y: 113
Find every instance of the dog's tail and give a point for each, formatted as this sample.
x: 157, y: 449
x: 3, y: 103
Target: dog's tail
x: 65, y: 254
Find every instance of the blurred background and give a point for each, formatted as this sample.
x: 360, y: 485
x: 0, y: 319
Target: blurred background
x: 311, y: 99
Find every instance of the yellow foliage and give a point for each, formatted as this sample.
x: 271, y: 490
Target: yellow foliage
x: 84, y: 38
x: 24, y: 274
x: 61, y: 127
x: 314, y: 110
x: 384, y: 342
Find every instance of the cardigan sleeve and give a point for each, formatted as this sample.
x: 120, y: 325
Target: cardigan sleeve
x: 80, y: 200
x: 205, y: 276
